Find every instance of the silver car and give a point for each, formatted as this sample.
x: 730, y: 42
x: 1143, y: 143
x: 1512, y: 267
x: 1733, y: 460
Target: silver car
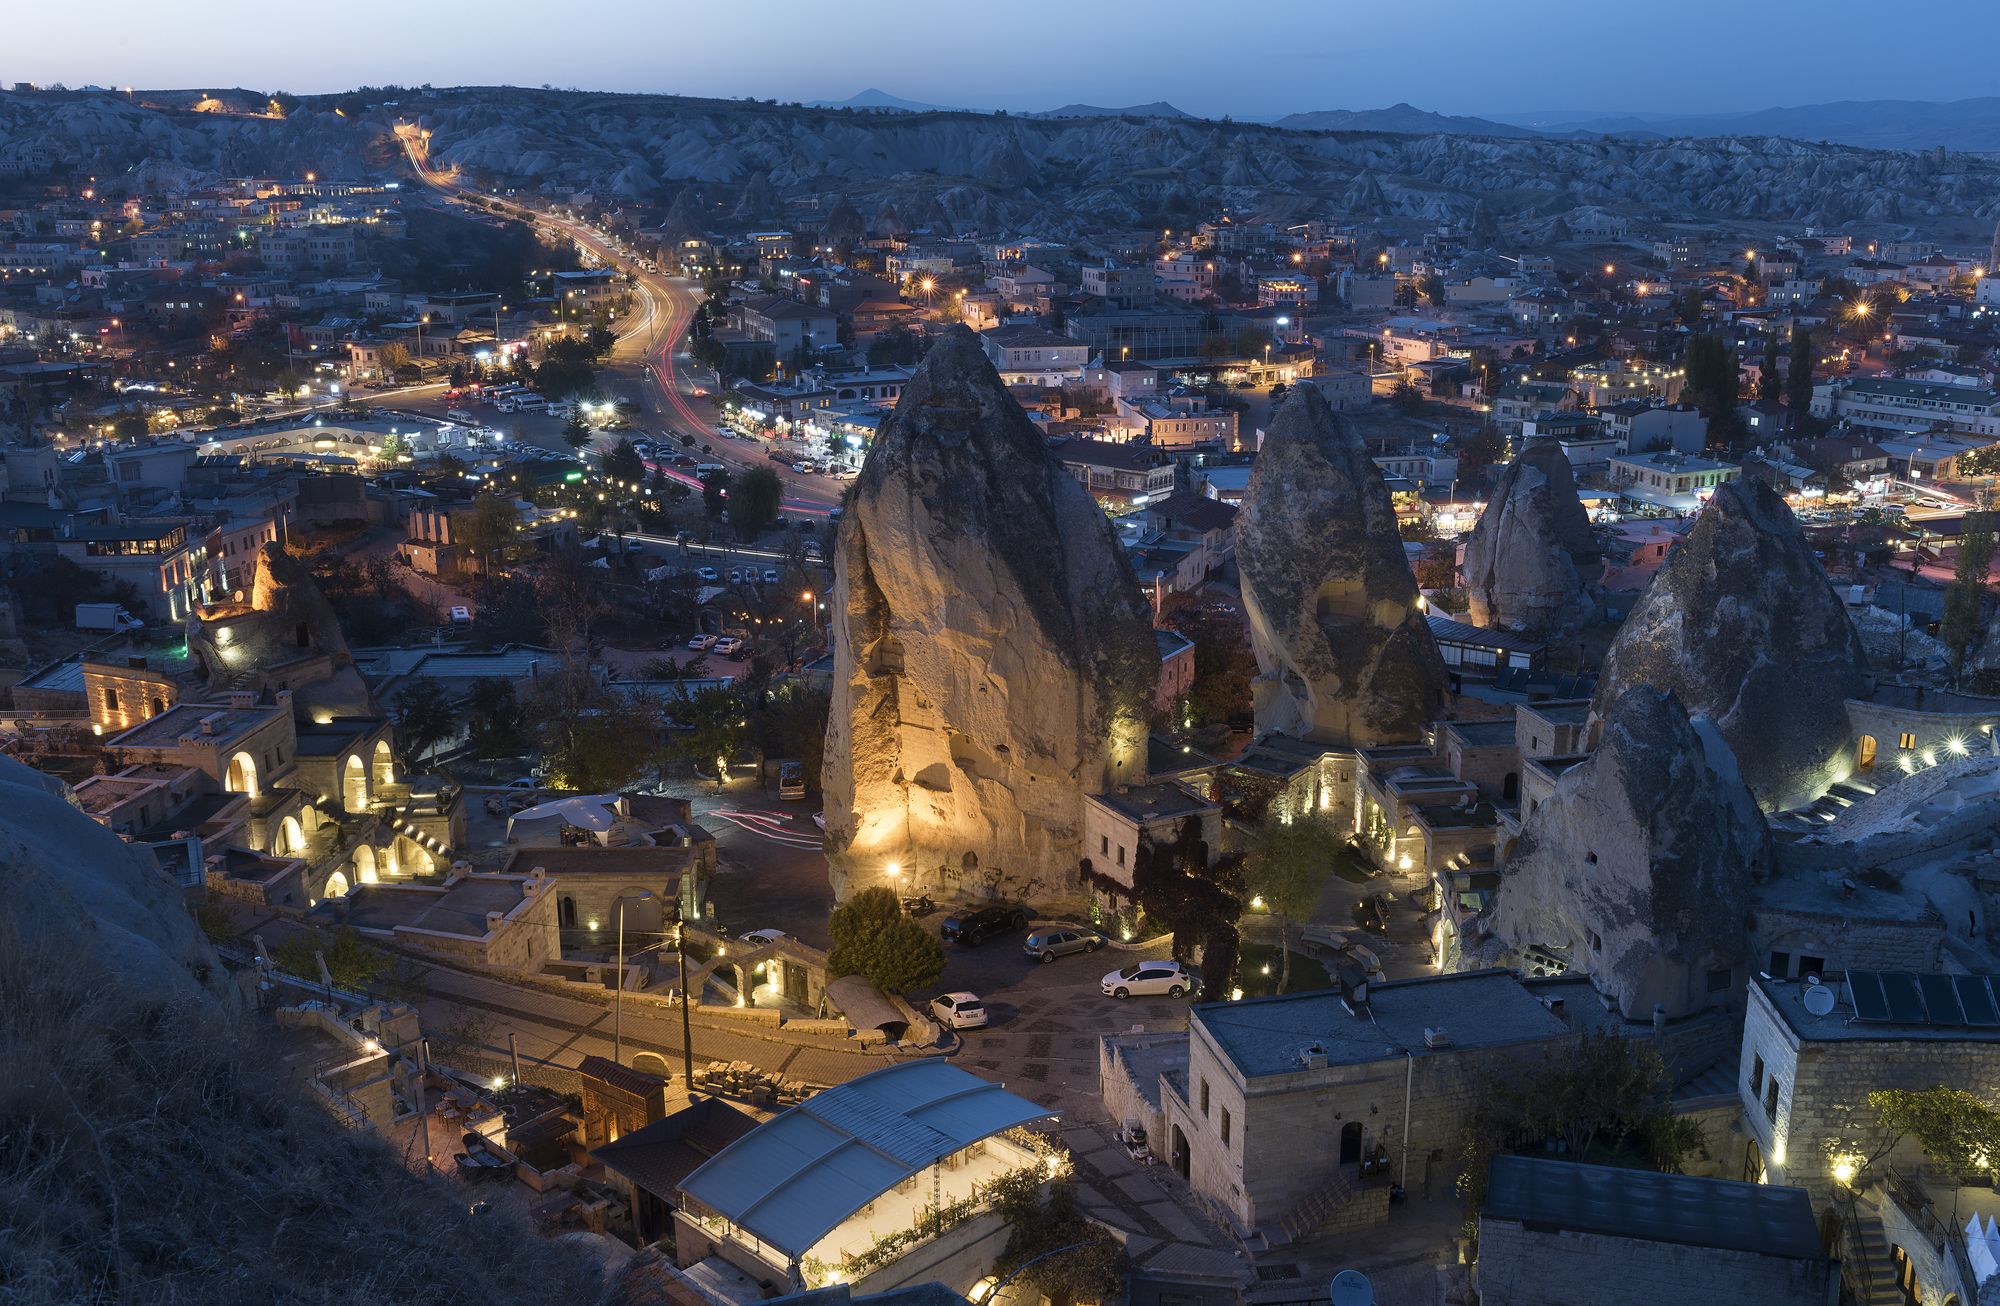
x: 1051, y: 942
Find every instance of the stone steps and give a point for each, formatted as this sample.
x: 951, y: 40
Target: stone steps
x: 1315, y: 1209
x: 1869, y: 1262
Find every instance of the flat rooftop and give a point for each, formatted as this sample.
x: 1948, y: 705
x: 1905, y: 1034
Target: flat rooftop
x: 1892, y: 1007
x: 1495, y: 733
x: 1725, y: 1214
x: 1562, y: 712
x: 1480, y: 1008
x: 165, y: 730
x: 1152, y: 802
x: 460, y: 907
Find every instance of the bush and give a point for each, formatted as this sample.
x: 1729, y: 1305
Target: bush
x: 872, y: 938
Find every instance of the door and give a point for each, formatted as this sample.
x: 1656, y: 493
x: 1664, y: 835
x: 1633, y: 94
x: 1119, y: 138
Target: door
x: 1350, y: 1143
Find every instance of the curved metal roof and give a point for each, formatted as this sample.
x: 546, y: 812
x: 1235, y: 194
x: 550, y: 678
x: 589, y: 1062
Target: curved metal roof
x: 798, y: 1177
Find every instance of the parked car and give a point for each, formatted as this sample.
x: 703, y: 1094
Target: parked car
x: 1147, y: 979
x: 701, y: 643
x: 708, y: 574
x: 458, y: 414
x: 959, y: 1011
x: 1048, y: 943
x: 761, y: 937
x: 771, y: 576
x: 735, y: 575
x: 728, y: 646
x: 972, y: 928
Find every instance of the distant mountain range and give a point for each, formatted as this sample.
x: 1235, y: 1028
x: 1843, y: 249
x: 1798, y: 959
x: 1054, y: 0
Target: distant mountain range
x: 1871, y: 124
x: 1404, y: 118
x: 1874, y: 124
x: 1157, y: 109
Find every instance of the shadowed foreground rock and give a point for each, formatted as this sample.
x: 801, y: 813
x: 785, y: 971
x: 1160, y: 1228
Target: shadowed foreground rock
x: 993, y: 658
x: 1742, y: 625
x: 1530, y: 560
x: 1638, y: 869
x: 1344, y: 653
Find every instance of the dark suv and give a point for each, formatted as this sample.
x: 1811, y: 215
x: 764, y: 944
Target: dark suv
x: 969, y: 928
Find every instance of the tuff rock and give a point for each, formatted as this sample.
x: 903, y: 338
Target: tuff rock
x: 281, y: 633
x: 1344, y: 654
x: 1639, y: 867
x: 1531, y: 558
x: 994, y: 660
x: 1742, y: 625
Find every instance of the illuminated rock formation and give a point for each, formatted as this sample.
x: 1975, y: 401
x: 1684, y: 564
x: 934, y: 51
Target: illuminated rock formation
x: 1345, y: 655
x: 1742, y: 625
x: 993, y: 657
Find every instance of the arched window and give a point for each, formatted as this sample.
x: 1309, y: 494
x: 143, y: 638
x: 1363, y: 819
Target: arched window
x: 1864, y: 752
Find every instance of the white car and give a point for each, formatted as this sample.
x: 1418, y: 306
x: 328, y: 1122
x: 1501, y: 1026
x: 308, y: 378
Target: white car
x: 707, y: 574
x: 959, y: 1011
x: 701, y: 643
x: 761, y: 937
x: 1147, y: 979
x: 728, y: 646
x: 771, y: 576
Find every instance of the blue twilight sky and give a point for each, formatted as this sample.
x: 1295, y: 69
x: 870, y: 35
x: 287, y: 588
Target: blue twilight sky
x: 1251, y: 60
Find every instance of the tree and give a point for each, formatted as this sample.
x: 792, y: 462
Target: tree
x: 714, y: 492
x: 1287, y: 867
x: 576, y: 432
x: 873, y: 938
x: 488, y: 530
x: 131, y: 426
x: 1965, y: 597
x: 1799, y: 377
x: 1711, y: 375
x: 1408, y: 398
x: 1053, y: 1247
x: 709, y: 730
x: 895, y: 345
x: 754, y: 498
x: 1770, y: 385
x: 426, y: 716
x: 623, y: 463
x: 1431, y: 287
x: 1958, y: 1131
x: 1688, y: 306
x: 495, y: 726
x: 394, y: 357
x: 353, y: 964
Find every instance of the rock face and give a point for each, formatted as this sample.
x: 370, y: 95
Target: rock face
x: 1639, y: 868
x: 284, y: 634
x: 69, y: 877
x: 1530, y: 560
x: 1345, y: 656
x: 993, y: 658
x: 1742, y: 625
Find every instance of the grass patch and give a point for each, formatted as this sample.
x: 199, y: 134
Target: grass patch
x: 1350, y: 865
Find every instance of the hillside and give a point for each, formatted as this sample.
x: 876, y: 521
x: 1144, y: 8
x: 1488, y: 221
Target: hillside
x: 1972, y: 124
x: 1406, y: 118
x: 152, y: 1153
x: 1060, y: 177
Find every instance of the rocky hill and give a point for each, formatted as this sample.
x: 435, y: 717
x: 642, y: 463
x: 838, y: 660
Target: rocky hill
x: 154, y: 1150
x: 1058, y: 176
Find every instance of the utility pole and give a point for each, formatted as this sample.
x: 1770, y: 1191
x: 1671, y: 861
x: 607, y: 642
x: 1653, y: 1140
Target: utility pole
x: 618, y: 1003
x: 687, y: 1023
x: 514, y: 1055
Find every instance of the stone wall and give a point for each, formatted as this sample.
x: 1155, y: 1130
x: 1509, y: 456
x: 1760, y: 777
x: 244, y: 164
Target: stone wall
x: 1523, y: 1267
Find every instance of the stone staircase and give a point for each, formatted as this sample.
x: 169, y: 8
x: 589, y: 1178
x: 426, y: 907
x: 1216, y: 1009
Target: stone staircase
x: 1869, y: 1267
x: 1826, y: 808
x: 1316, y: 1209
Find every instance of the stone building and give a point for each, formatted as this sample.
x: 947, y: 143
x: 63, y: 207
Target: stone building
x: 1381, y: 1076
x: 1554, y: 1232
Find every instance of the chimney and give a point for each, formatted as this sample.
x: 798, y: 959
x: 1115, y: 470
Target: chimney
x: 242, y: 700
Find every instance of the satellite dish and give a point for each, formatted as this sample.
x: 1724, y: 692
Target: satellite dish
x: 1352, y: 1288
x: 1819, y: 1000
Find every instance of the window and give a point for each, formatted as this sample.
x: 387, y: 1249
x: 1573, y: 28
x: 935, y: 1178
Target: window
x: 1771, y: 1100
x: 1756, y: 1074
x: 1121, y: 854
x: 1225, y: 1126
x: 1906, y: 740
x: 1781, y: 965
x: 1204, y: 1097
x: 1104, y: 843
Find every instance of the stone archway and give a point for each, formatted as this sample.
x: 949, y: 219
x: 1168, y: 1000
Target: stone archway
x: 241, y: 777
x: 291, y: 840
x: 408, y: 857
x: 364, y: 864
x: 385, y: 764
x: 336, y: 886
x: 354, y: 784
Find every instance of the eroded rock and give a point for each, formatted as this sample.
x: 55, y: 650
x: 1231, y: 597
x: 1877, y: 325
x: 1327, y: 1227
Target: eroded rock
x: 993, y: 658
x: 1530, y: 560
x: 1742, y: 625
x: 1639, y: 867
x: 1344, y: 653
